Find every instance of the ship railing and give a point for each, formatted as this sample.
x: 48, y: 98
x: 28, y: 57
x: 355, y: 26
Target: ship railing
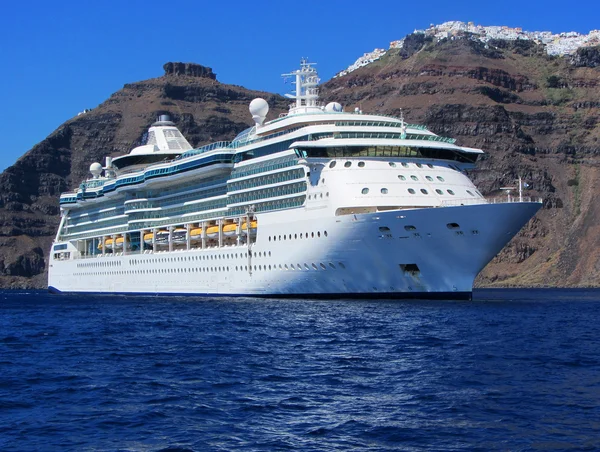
x: 494, y: 200
x: 513, y: 199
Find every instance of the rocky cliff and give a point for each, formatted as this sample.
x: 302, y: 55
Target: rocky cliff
x: 536, y: 115
x: 203, y: 109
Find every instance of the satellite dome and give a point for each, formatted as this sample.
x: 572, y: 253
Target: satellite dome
x: 333, y: 106
x: 259, y: 109
x: 95, y: 169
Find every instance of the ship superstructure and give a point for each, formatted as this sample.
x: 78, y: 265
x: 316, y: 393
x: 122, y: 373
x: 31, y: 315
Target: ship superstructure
x: 318, y: 202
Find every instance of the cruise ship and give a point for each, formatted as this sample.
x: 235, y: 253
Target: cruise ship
x: 318, y: 202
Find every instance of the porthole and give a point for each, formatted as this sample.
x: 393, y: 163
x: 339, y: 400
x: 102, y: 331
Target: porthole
x: 325, y: 233
x: 411, y: 191
x: 314, y: 266
x: 323, y: 266
x: 450, y: 192
x: 306, y: 266
x: 341, y: 265
x: 401, y: 177
x: 347, y: 164
x: 331, y: 265
x: 301, y: 235
x: 332, y: 164
x: 361, y: 164
x: 292, y: 267
x: 405, y: 165
x: 312, y: 235
x: 419, y: 165
x: 410, y: 227
x: 364, y: 191
x: 285, y: 267
x: 384, y: 191
x: 453, y: 226
x: 429, y: 178
x: 471, y: 193
x: 424, y: 191
x: 430, y: 165
x: 440, y: 178
x: 392, y: 164
x: 414, y: 177
x: 438, y: 191
x: 318, y: 233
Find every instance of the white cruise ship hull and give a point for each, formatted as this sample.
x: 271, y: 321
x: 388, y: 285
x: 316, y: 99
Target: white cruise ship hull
x: 409, y: 253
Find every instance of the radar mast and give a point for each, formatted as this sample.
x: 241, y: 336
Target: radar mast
x: 307, y: 91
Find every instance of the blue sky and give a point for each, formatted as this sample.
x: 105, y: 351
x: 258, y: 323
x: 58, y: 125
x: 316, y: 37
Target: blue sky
x: 60, y: 57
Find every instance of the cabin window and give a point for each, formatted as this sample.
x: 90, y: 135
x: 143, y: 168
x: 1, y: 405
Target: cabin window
x: 332, y: 164
x: 364, y: 191
x: 347, y: 164
x: 410, y: 269
x: 410, y: 227
x: 384, y: 191
x: 440, y: 178
x: 453, y: 226
x: 411, y: 191
x: 361, y: 164
x: 429, y: 178
x: 401, y: 177
x: 392, y: 164
x: 438, y: 191
x: 419, y: 165
x: 424, y: 191
x: 450, y: 192
x: 414, y: 177
x: 405, y: 165
x: 471, y: 193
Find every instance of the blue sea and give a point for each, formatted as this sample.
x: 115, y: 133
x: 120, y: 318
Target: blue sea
x: 510, y: 370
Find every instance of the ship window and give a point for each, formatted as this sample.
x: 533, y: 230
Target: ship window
x: 347, y: 164
x: 331, y: 265
x: 469, y: 192
x: 392, y: 164
x: 410, y: 227
x: 419, y: 165
x: 314, y: 266
x: 306, y: 266
x: 450, y: 192
x: 405, y: 165
x: 319, y: 234
x: 401, y: 177
x: 424, y: 191
x: 332, y: 164
x: 414, y: 177
x: 325, y: 232
x: 429, y: 178
x: 411, y: 191
x: 341, y: 265
x: 438, y: 191
x: 430, y: 165
x: 312, y: 235
x: 323, y: 266
x: 292, y: 267
x: 364, y: 191
x: 440, y: 178
x: 384, y: 229
x: 361, y: 164
x: 453, y: 226
x: 384, y: 191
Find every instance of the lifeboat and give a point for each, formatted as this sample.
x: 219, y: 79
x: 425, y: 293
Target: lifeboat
x: 196, y: 234
x: 108, y: 243
x: 229, y: 229
x: 179, y: 235
x: 212, y: 232
x: 252, y: 227
x: 148, y: 238
x: 162, y: 237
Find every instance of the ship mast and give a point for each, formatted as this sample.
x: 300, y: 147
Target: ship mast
x: 307, y: 91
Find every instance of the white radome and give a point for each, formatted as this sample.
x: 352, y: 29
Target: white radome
x: 333, y: 107
x: 95, y: 169
x: 259, y: 109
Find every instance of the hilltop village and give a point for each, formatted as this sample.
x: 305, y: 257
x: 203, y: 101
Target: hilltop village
x: 555, y: 44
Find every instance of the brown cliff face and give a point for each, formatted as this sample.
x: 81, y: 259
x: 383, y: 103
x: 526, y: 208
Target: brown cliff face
x: 536, y: 116
x: 201, y: 107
